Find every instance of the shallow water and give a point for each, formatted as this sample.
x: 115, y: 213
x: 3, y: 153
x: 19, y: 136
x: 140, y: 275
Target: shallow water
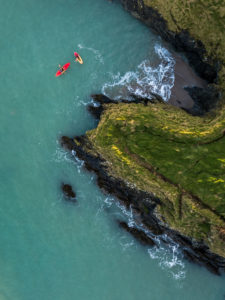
x: 50, y: 249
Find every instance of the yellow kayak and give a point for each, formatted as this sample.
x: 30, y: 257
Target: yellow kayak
x: 78, y: 58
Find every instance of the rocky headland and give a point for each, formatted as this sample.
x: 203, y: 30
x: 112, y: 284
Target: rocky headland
x: 164, y: 163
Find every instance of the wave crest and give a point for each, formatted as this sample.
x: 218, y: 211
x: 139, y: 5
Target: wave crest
x: 145, y: 80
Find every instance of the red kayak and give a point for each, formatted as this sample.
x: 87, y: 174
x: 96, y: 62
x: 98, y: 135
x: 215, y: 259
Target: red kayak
x: 65, y: 67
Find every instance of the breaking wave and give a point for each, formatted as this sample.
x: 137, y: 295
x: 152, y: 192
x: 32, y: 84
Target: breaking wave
x: 145, y: 80
x: 168, y: 255
x: 61, y: 156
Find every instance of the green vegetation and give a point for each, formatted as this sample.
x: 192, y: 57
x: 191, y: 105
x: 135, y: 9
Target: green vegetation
x: 179, y: 158
x: 204, y: 19
x: 163, y: 150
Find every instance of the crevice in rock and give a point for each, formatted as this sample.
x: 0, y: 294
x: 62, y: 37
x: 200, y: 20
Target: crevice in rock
x: 196, y: 252
x: 195, y: 198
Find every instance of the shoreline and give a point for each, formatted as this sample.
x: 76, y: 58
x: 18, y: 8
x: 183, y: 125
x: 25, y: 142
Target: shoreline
x: 142, y: 202
x: 143, y: 205
x: 184, y: 77
x: 192, y: 93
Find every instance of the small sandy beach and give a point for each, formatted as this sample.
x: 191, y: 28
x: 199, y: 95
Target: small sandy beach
x: 184, y: 76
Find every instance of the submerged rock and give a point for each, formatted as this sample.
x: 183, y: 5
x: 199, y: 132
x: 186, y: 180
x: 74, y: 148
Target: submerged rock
x: 68, y: 192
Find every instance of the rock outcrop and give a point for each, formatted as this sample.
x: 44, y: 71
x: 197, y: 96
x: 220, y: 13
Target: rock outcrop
x: 143, y: 205
x: 180, y: 38
x: 68, y: 192
x: 166, y: 165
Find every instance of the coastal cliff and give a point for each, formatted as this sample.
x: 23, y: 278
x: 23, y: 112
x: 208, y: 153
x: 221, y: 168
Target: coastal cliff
x: 166, y: 163
x: 193, y: 27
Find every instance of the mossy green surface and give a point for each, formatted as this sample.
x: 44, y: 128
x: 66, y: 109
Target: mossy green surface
x: 203, y: 19
x: 163, y: 150
x: 179, y: 158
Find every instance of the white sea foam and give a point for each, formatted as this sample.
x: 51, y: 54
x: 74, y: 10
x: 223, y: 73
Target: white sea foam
x: 88, y: 102
x: 61, y: 155
x: 145, y: 79
x: 108, y: 201
x: 95, y: 51
x: 168, y: 255
x: 125, y: 245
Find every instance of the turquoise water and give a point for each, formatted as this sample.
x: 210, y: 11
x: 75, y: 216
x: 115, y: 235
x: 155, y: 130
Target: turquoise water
x: 50, y: 249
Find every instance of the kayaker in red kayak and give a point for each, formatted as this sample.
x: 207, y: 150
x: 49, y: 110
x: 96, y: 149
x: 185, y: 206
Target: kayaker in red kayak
x: 62, y: 70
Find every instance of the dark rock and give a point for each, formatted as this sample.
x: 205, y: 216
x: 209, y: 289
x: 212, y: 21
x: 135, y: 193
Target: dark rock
x: 100, y: 99
x: 157, y: 97
x: 181, y: 41
x: 152, y: 224
x: 193, y: 257
x: 96, y: 111
x: 67, y: 143
x: 143, y: 205
x: 68, y: 192
x: 204, y: 99
x: 140, y: 235
x: 198, y: 252
x: 138, y: 99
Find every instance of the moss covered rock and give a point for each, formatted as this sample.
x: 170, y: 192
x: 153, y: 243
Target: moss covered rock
x: 194, y: 27
x: 179, y: 158
x: 162, y: 150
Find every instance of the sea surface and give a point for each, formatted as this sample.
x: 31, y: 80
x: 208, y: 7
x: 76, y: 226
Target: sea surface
x: 51, y: 249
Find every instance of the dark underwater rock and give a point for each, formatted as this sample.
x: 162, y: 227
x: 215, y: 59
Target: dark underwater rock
x: 140, y: 235
x: 68, y: 192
